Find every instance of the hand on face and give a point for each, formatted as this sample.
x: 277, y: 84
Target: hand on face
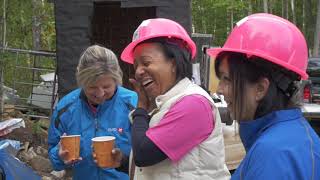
x: 143, y: 98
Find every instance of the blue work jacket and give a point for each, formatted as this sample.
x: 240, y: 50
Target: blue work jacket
x: 73, y: 116
x: 281, y: 145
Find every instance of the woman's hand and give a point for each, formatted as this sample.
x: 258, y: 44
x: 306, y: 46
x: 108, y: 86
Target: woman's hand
x: 143, y: 98
x: 63, y: 154
x: 116, y: 155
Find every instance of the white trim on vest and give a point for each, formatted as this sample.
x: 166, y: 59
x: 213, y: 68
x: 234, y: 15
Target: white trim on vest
x: 205, y: 161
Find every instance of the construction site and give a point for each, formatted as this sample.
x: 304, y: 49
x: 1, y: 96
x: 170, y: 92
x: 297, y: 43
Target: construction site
x: 33, y: 80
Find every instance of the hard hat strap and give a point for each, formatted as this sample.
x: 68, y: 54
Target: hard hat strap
x: 284, y: 83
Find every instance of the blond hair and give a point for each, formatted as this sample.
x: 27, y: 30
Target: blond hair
x: 96, y: 61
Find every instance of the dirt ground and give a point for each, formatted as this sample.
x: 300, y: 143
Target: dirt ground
x: 33, y: 138
x: 32, y: 133
x: 27, y: 134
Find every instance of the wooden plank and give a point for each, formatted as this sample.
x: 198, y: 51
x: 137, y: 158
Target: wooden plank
x: 234, y: 150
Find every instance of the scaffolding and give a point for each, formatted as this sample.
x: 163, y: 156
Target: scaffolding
x: 27, y: 77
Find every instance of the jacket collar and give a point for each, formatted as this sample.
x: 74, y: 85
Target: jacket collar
x: 175, y: 90
x: 250, y: 131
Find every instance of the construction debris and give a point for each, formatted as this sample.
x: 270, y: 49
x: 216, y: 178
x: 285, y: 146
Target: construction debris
x: 15, y: 168
x: 30, y: 143
x: 9, y: 125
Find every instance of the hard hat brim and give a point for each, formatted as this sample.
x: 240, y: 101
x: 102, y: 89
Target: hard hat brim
x: 214, y: 52
x: 127, y: 53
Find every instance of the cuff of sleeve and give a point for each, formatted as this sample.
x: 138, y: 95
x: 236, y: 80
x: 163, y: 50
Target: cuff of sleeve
x: 138, y: 112
x: 57, y: 163
x: 130, y: 116
x: 124, y: 166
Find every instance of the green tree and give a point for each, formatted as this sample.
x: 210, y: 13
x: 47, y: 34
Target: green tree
x: 19, y: 16
x: 216, y: 16
x: 19, y: 24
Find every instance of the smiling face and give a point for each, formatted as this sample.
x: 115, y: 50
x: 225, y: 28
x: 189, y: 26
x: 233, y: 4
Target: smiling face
x: 242, y: 103
x: 153, y: 70
x: 225, y: 83
x: 102, y: 89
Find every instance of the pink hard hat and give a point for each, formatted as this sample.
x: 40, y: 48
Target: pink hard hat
x: 153, y: 28
x: 271, y: 38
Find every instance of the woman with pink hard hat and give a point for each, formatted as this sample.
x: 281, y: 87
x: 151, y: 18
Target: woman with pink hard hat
x: 259, y: 67
x: 176, y: 130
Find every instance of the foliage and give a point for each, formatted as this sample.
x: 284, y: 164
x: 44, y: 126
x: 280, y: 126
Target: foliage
x: 19, y: 23
x: 214, y: 16
x: 36, y: 128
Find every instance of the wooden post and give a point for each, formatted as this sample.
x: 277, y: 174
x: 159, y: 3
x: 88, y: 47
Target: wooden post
x: 316, y: 41
x: 1, y: 90
x: 1, y: 60
x: 265, y: 6
x: 4, y: 24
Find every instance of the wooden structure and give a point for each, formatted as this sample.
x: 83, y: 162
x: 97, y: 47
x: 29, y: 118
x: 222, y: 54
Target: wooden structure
x: 111, y: 23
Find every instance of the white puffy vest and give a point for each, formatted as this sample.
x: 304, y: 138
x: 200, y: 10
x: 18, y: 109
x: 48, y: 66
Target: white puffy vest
x: 204, y: 162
